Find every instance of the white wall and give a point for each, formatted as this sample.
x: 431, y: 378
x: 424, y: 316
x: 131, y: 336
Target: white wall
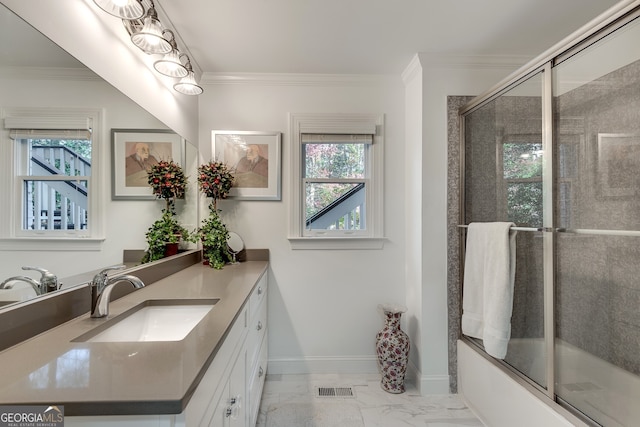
x: 322, y: 310
x: 412, y: 78
x: 122, y: 228
x: 441, y: 76
x: 322, y: 303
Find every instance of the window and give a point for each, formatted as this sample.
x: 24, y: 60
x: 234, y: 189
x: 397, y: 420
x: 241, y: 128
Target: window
x: 52, y: 174
x: 337, y: 190
x: 522, y: 166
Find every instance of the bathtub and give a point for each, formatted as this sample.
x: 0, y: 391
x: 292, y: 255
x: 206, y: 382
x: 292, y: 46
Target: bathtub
x: 603, y: 391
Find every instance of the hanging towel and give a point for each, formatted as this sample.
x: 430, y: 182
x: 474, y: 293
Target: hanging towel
x: 489, y: 272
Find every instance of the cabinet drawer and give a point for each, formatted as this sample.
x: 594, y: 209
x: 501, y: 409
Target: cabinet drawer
x: 258, y: 295
x: 256, y: 382
x: 255, y: 335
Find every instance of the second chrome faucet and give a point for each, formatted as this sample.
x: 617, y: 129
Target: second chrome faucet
x: 102, y: 285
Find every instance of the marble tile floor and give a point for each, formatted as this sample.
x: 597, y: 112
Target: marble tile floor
x: 369, y: 407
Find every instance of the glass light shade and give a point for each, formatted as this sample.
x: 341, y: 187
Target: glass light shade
x: 124, y: 9
x: 188, y: 85
x: 150, y: 38
x: 171, y: 66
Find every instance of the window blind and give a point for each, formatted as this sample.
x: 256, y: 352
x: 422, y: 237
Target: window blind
x: 48, y: 127
x: 315, y: 138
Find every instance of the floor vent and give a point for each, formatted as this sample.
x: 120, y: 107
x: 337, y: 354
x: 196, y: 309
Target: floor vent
x: 335, y: 392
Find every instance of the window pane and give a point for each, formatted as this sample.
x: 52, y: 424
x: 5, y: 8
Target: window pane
x: 59, y: 157
x: 335, y: 206
x: 334, y: 160
x: 55, y: 205
x: 522, y: 160
x: 524, y: 203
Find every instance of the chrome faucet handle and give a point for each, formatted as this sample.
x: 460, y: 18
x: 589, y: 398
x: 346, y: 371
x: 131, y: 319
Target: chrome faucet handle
x: 113, y: 267
x: 100, y: 279
x: 48, y: 280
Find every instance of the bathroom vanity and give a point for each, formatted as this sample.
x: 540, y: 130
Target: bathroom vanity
x: 211, y: 377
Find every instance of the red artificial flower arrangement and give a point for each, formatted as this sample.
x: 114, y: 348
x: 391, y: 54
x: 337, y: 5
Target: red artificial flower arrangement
x: 167, y: 180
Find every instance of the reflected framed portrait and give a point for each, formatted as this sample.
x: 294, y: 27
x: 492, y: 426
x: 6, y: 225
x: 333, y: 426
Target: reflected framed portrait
x: 134, y: 152
x: 618, y: 164
x: 254, y: 160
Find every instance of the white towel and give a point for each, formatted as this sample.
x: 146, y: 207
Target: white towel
x: 489, y: 273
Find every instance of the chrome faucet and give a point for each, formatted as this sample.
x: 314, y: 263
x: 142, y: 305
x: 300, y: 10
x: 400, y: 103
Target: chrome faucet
x: 102, y: 285
x: 48, y: 281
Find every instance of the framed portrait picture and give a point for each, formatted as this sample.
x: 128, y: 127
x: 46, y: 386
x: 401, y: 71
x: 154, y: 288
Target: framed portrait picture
x: 254, y: 159
x: 618, y: 164
x: 134, y: 151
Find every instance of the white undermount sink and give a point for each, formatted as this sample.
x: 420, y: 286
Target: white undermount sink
x: 152, y: 320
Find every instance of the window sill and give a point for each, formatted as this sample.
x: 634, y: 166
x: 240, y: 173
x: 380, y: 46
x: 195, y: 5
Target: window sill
x: 51, y: 244
x: 302, y: 243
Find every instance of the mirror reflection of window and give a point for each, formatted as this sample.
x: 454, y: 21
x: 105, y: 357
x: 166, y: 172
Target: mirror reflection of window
x: 54, y: 177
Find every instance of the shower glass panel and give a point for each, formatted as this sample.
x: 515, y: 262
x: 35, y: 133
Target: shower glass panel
x: 503, y: 182
x: 597, y: 145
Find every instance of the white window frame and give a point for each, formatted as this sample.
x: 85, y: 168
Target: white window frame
x: 12, y: 237
x: 329, y: 123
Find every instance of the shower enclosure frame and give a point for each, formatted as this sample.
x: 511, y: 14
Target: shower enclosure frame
x: 594, y: 31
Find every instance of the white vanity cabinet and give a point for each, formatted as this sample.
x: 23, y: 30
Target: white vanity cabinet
x: 236, y: 400
x: 229, y: 392
x: 239, y: 401
x: 256, y: 349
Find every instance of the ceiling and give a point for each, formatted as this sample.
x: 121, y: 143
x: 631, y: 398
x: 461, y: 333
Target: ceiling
x: 366, y: 36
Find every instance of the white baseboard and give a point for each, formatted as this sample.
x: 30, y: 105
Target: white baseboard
x: 324, y: 365
x: 427, y: 384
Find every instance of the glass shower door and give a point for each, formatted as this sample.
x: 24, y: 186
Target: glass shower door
x: 597, y: 207
x: 504, y: 182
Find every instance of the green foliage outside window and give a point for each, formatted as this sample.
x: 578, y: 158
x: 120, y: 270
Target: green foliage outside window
x: 331, y: 161
x: 522, y: 164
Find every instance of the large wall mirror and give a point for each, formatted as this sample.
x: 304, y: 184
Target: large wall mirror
x: 36, y: 73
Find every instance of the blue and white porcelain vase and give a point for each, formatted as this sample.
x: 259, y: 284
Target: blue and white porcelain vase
x: 392, y: 347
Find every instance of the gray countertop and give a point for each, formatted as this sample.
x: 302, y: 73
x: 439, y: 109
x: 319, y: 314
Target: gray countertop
x: 124, y: 378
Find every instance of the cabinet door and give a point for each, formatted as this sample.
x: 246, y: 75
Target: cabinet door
x: 237, y: 394
x: 220, y: 416
x: 231, y: 411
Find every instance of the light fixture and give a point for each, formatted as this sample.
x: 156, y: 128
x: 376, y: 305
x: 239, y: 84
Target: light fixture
x: 170, y: 64
x: 150, y: 39
x: 124, y: 9
x: 149, y: 36
x: 187, y: 85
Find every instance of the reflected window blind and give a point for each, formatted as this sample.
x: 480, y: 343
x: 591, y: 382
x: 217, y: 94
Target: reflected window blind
x: 48, y: 128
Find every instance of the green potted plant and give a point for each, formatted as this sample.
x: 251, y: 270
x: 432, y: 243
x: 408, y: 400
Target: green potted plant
x: 214, y: 180
x: 168, y: 182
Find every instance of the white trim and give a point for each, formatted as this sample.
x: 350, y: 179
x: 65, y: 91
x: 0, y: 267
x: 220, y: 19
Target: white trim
x: 323, y: 365
x: 342, y: 124
x: 427, y: 384
x: 309, y: 243
x: 413, y: 70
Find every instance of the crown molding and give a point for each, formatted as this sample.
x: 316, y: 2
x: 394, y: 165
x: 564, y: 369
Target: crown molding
x: 412, y: 70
